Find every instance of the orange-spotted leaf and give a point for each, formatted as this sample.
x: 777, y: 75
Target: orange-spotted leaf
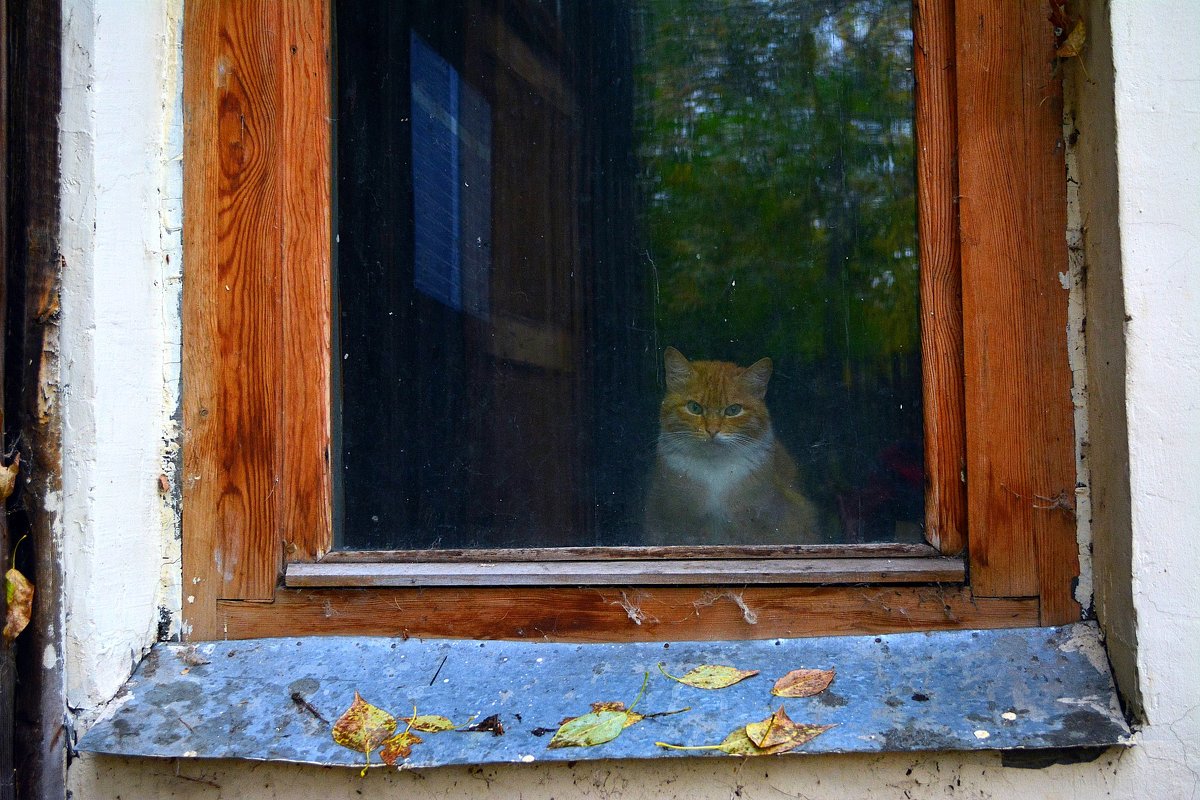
x: 778, y: 730
x: 803, y: 683
x: 633, y: 716
x: 737, y: 743
x: 363, y: 727
x: 429, y: 723
x: 8, y: 477
x: 18, y: 593
x: 711, y: 676
x: 398, y: 747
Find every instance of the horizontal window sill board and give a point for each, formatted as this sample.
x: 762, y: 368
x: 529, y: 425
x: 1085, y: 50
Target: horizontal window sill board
x: 276, y: 699
x: 695, y: 572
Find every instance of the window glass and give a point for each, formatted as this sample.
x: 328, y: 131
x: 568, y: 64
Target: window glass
x: 625, y: 273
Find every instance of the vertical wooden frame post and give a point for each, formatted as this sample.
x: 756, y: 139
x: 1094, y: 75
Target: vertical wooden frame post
x: 256, y: 289
x: 1020, y: 455
x: 941, y: 285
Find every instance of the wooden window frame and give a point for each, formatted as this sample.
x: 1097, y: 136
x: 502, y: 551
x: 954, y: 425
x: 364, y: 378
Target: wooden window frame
x: 256, y: 477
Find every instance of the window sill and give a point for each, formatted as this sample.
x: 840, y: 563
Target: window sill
x: 1034, y: 688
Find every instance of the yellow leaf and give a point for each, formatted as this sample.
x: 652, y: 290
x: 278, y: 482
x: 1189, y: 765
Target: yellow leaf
x: 633, y: 716
x: 363, y: 727
x: 711, y: 676
x: 803, y: 683
x: 8, y: 477
x: 429, y: 723
x: 1073, y: 45
x: 398, y: 747
x: 779, y: 730
x: 18, y: 593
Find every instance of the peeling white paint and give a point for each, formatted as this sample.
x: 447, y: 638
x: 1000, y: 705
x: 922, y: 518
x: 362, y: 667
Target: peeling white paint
x: 49, y: 657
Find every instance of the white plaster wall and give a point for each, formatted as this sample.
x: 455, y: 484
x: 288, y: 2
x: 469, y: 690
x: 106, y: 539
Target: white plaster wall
x: 120, y: 332
x: 1157, y: 98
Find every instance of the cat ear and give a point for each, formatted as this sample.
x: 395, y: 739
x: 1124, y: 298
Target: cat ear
x: 755, y: 377
x: 679, y: 371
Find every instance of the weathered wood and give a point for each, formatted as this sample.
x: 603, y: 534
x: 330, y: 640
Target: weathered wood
x: 232, y: 345
x: 623, y: 573
x: 941, y: 283
x: 881, y: 550
x: 1020, y: 461
x: 620, y: 614
x: 31, y: 394
x: 8, y: 664
x: 306, y: 487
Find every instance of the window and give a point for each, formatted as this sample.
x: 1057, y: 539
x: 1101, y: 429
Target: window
x: 261, y: 441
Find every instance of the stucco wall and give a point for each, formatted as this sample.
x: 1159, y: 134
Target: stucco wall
x: 1140, y: 219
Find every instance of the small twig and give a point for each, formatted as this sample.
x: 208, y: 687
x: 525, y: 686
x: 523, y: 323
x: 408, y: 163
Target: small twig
x: 439, y: 670
x: 299, y: 700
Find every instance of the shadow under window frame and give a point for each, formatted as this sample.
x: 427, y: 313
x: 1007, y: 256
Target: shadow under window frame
x: 257, y: 497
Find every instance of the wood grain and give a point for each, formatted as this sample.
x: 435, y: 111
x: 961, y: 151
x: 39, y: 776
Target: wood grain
x: 306, y: 487
x: 232, y: 349
x: 623, y: 573
x: 941, y: 282
x: 1020, y: 461
x: 620, y: 614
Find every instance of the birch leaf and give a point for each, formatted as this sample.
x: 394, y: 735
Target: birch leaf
x: 398, y: 747
x: 711, y: 676
x: 429, y: 723
x: 18, y: 593
x: 803, y: 683
x: 590, y: 729
x: 363, y: 727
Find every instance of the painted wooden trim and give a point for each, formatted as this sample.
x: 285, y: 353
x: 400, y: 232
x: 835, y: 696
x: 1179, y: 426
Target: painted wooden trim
x: 621, y: 573
x: 765, y: 552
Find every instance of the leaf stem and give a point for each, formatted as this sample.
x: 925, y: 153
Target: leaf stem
x: 689, y: 746
x: 641, y: 692
x: 669, y: 675
x: 14, y: 550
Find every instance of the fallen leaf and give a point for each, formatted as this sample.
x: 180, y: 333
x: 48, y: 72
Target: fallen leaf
x: 633, y: 716
x: 363, y: 727
x: 1075, y: 41
x: 737, y: 743
x: 778, y: 730
x: 191, y: 656
x: 398, y: 747
x: 490, y: 725
x: 590, y: 729
x: 803, y: 683
x: 711, y: 676
x: 8, y: 477
x: 429, y: 723
x: 18, y: 593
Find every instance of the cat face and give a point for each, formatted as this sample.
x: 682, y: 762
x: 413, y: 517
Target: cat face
x: 713, y: 406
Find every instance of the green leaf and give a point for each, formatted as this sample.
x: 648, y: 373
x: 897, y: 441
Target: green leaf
x: 711, y: 676
x: 590, y: 729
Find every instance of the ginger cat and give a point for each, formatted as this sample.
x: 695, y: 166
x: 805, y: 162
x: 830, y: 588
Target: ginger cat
x: 721, y: 477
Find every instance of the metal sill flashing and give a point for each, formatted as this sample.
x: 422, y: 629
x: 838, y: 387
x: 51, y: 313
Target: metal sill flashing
x: 1027, y: 689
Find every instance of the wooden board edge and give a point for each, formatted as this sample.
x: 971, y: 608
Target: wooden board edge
x: 944, y: 570
x: 621, y: 614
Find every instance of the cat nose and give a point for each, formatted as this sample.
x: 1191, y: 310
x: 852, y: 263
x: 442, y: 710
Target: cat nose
x: 713, y: 427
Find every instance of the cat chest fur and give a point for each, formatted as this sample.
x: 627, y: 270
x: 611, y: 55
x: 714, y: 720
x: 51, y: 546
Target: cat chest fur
x: 716, y: 481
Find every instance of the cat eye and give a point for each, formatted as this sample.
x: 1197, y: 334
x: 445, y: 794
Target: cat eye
x: 733, y: 410
x: 694, y: 408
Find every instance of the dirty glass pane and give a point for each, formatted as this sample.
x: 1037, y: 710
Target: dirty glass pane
x: 625, y: 272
